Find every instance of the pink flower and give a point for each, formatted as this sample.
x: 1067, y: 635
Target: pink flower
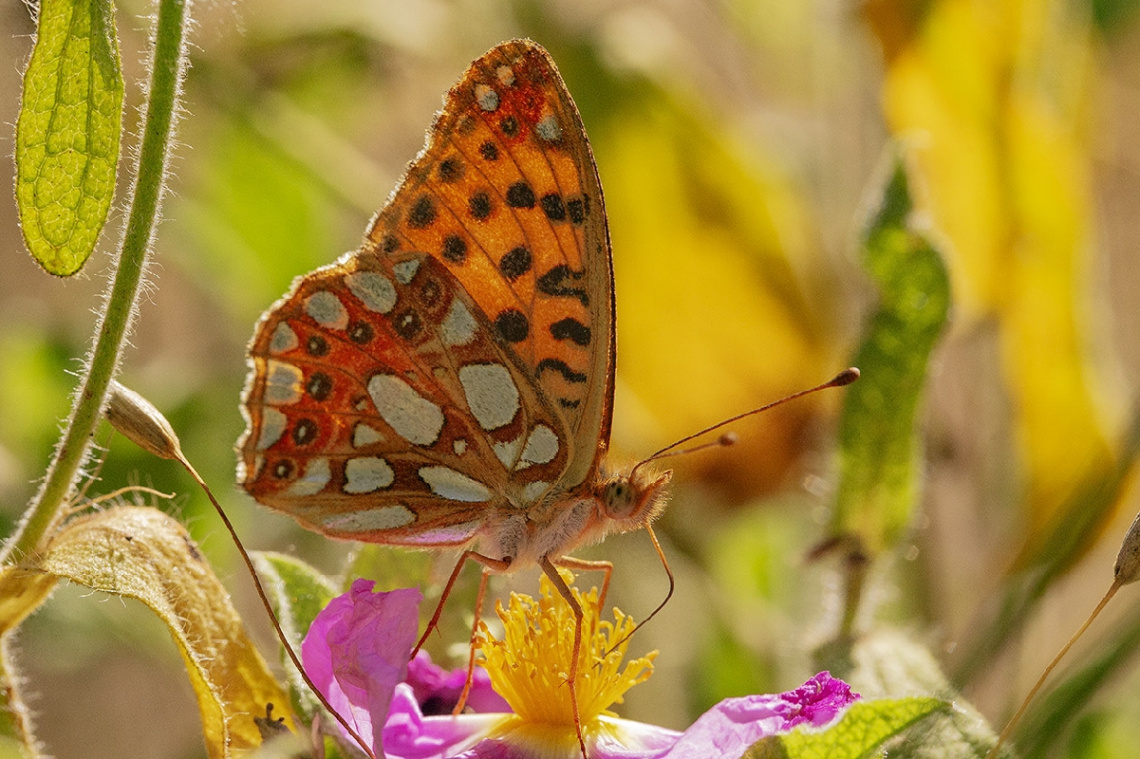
x: 357, y: 653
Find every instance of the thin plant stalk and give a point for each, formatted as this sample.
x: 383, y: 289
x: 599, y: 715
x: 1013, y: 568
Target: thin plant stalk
x: 168, y: 66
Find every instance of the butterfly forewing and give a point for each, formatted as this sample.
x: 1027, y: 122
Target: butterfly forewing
x: 462, y: 360
x: 507, y: 195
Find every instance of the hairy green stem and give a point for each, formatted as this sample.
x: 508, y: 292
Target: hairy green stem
x: 168, y: 65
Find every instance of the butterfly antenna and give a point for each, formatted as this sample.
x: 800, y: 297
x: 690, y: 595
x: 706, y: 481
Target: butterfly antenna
x: 845, y: 377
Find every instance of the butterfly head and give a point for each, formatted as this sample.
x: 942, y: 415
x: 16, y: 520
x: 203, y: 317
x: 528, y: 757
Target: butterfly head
x: 633, y: 500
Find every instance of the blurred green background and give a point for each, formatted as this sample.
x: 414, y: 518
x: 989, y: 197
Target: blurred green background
x: 737, y: 142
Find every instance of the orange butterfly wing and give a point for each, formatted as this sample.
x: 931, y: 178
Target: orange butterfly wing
x: 462, y: 359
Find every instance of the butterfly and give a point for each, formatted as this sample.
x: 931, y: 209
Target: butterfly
x: 451, y: 382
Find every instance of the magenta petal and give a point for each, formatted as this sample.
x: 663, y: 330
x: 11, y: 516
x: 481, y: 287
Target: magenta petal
x: 438, y: 690
x: 734, y: 724
x: 818, y: 701
x: 357, y: 650
x: 408, y: 734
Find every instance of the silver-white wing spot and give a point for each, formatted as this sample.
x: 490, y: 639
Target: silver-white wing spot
x: 491, y: 394
x: 284, y: 339
x: 317, y: 475
x: 272, y: 427
x: 534, y: 491
x: 373, y: 289
x: 548, y: 128
x: 508, y: 452
x: 487, y: 98
x: 326, y: 310
x: 364, y: 434
x: 413, y: 417
x: 506, y: 75
x: 406, y: 270
x: 366, y: 474
x: 458, y: 327
x: 282, y: 383
x: 541, y: 447
x: 388, y: 517
x: 459, y: 445
x: 452, y: 485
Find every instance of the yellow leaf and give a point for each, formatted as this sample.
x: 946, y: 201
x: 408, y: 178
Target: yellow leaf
x: 993, y: 96
x: 145, y: 554
x: 21, y: 592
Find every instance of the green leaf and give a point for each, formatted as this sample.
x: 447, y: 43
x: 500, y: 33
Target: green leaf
x: 887, y: 664
x: 879, y: 449
x: 863, y: 728
x: 297, y: 593
x: 67, y: 134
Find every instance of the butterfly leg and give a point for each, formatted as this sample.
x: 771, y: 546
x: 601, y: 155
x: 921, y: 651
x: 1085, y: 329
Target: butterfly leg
x: 586, y: 565
x: 564, y: 590
x: 494, y: 565
x: 462, y: 702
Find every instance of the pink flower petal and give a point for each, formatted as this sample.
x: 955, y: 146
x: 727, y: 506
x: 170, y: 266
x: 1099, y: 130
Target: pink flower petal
x: 357, y: 651
x: 734, y: 724
x: 438, y: 690
x: 408, y: 734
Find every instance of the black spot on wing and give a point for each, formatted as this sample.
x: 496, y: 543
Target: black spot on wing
x: 519, y: 195
x: 454, y: 249
x: 316, y: 346
x: 319, y: 386
x: 479, y: 205
x: 451, y: 169
x: 361, y: 333
x: 560, y: 282
x: 512, y: 325
x: 578, y: 208
x: 515, y: 263
x: 570, y: 329
x: 422, y: 214
x: 553, y: 207
x: 305, y: 432
x: 560, y: 366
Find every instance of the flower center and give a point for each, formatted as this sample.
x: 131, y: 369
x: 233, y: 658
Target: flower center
x: 530, y: 665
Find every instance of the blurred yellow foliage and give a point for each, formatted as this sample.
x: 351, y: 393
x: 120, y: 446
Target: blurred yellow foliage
x: 713, y: 313
x: 993, y: 97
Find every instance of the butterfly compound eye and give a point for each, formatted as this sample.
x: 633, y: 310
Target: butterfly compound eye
x: 619, y: 500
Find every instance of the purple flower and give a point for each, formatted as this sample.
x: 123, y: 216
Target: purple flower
x: 437, y: 691
x: 357, y: 651
x: 734, y: 724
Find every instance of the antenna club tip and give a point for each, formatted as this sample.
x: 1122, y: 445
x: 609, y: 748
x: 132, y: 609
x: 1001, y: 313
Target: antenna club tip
x: 728, y: 438
x: 846, y: 377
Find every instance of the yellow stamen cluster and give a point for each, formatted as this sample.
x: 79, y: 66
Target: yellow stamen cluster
x: 530, y: 666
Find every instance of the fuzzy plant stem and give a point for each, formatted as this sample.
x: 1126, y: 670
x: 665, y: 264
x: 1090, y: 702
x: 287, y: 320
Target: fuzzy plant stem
x: 168, y: 66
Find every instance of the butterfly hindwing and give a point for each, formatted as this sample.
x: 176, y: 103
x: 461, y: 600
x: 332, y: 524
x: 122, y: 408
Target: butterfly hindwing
x: 384, y: 408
